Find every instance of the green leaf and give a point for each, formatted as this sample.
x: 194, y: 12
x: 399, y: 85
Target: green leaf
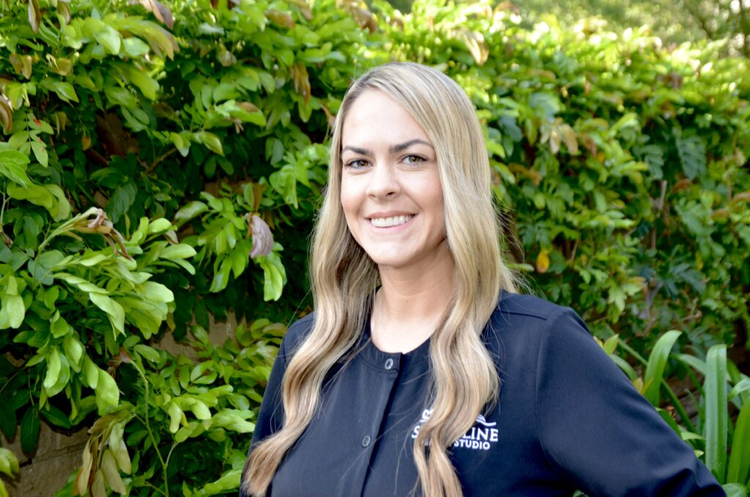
x: 189, y: 211
x: 692, y: 152
x: 156, y: 292
x: 147, y: 352
x: 221, y: 277
x: 73, y: 350
x: 55, y: 416
x: 61, y: 210
x: 13, y: 166
x: 53, y: 368
x: 113, y: 309
x: 284, y: 181
x: 181, y: 142
x: 740, y: 388
x: 9, y: 463
x: 715, y: 391
x: 107, y: 393
x: 144, y: 82
x: 228, y: 481
x: 40, y: 152
x: 37, y: 195
x: 65, y: 91
x: 121, y: 200
x: 109, y: 38
x: 59, y: 326
x: 611, y: 344
x: 91, y: 372
x: 30, y: 425
x: 210, y: 140
x: 180, y: 251
x: 175, y: 416
x: 656, y: 364
x: 12, y: 312
x: 8, y: 419
x: 274, y: 276
x: 693, y: 362
x: 739, y: 459
x: 63, y: 377
x: 159, y: 225
x: 627, y: 368
x: 121, y: 96
x: 200, y: 410
x: 735, y: 490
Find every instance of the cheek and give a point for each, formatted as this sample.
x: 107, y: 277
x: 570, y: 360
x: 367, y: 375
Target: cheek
x: 349, y: 200
x: 433, y: 194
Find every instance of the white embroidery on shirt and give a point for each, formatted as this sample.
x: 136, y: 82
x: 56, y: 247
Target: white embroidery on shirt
x: 481, y: 437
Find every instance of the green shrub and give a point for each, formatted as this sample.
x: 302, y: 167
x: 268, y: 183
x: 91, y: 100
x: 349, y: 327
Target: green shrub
x: 621, y: 166
x: 722, y: 444
x: 162, y: 164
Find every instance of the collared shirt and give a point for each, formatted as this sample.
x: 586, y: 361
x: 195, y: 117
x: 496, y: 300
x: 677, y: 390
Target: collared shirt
x: 566, y: 418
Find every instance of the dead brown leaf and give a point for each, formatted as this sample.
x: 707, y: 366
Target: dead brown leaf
x: 64, y: 11
x: 35, y: 15
x: 6, y: 114
x: 160, y: 11
x: 301, y: 80
x: 262, y: 237
x: 282, y: 19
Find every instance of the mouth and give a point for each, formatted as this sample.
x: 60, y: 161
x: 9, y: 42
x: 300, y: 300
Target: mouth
x: 389, y: 222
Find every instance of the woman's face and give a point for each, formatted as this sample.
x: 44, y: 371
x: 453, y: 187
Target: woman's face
x: 390, y: 185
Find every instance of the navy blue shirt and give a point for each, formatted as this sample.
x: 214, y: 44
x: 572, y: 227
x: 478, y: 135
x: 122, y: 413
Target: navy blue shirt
x: 567, y: 418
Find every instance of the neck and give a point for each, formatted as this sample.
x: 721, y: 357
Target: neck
x: 411, y: 303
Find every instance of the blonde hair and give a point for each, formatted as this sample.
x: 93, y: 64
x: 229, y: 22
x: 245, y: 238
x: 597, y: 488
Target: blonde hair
x: 464, y: 378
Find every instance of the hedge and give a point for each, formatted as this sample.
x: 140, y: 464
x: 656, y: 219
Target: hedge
x: 162, y: 164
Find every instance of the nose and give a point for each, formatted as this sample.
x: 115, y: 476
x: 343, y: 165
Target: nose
x: 384, y: 181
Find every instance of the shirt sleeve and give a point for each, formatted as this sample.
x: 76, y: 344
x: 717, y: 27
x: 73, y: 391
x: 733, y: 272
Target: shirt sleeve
x: 598, y: 431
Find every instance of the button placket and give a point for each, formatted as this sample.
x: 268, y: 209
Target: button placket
x: 366, y: 441
x: 388, y: 364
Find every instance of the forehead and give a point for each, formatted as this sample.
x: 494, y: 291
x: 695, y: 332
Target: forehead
x: 376, y: 118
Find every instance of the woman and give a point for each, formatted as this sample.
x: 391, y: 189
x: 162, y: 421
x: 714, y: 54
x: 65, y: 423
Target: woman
x: 421, y: 370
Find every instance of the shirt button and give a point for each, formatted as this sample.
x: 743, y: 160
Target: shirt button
x: 366, y: 441
x: 388, y: 364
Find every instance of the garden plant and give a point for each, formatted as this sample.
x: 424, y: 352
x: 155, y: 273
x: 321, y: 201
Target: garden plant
x: 160, y: 168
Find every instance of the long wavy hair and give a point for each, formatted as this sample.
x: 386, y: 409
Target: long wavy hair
x: 464, y: 379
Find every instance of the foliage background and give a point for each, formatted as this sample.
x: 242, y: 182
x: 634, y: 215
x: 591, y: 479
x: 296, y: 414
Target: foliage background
x: 147, y: 146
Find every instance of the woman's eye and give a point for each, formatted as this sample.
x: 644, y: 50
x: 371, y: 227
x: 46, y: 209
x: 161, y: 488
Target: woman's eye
x: 357, y: 163
x: 413, y: 159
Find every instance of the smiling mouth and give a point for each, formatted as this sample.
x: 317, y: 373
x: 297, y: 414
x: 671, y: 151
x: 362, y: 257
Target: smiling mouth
x: 389, y: 222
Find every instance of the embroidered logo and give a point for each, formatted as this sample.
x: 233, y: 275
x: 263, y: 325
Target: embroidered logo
x: 482, y: 436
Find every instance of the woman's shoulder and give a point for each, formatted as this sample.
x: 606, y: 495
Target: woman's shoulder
x: 517, y: 304
x: 297, y: 333
x: 526, y: 322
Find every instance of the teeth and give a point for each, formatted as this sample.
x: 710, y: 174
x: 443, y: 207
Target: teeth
x: 387, y: 222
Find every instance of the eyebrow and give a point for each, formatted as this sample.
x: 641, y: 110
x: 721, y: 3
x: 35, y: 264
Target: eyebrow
x: 393, y: 149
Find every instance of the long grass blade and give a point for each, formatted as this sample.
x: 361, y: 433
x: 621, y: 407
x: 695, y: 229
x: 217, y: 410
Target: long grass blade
x: 627, y: 368
x: 739, y: 459
x: 715, y: 393
x: 734, y: 490
x: 694, y: 362
x: 672, y: 396
x: 742, y: 388
x: 656, y: 364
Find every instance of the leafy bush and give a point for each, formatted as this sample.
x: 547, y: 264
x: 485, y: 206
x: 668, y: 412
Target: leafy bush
x: 187, y: 152
x: 622, y: 167
x: 723, y: 446
x: 163, y: 163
